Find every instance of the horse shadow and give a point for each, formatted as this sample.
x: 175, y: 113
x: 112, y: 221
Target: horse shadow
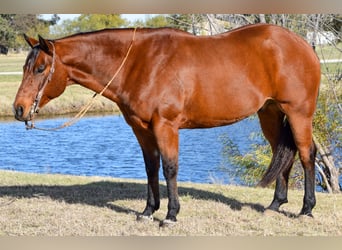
x: 105, y: 193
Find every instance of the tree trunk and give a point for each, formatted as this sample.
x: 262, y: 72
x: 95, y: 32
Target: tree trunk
x: 324, y: 177
x: 214, y: 26
x: 329, y: 166
x: 262, y: 18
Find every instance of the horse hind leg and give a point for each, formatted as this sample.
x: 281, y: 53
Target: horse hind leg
x: 302, y: 131
x: 277, y: 131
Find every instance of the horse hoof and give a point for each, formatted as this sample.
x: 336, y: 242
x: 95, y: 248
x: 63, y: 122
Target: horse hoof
x: 167, y: 223
x: 144, y: 218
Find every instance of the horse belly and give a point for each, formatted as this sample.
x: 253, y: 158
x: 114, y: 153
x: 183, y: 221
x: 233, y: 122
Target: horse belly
x: 222, y: 107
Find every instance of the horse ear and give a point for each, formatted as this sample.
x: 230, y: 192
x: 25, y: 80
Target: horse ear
x: 31, y: 41
x: 45, y: 45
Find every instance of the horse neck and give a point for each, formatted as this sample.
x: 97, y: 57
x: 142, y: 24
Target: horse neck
x: 94, y: 58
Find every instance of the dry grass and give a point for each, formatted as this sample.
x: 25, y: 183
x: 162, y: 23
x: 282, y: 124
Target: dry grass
x: 12, y: 62
x: 32, y: 204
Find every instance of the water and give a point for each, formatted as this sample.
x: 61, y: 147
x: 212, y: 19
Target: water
x: 106, y: 146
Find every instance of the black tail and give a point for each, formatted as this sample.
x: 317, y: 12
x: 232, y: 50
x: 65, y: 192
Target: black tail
x: 283, y: 156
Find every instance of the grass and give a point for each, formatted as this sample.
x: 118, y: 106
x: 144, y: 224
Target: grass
x: 10, y: 78
x: 36, y: 204
x: 329, y: 52
x: 12, y: 62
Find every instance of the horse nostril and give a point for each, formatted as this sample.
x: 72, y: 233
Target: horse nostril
x: 19, y: 111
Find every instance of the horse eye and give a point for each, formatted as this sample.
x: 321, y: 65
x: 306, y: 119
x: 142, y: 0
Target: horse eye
x: 41, y: 68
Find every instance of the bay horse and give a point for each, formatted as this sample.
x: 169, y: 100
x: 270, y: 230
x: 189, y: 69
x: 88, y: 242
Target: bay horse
x: 172, y: 80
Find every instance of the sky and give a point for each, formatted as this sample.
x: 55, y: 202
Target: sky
x: 130, y: 17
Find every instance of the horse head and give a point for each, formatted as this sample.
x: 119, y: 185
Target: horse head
x: 44, y: 78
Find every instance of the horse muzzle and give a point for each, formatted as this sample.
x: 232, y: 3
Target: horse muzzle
x: 18, y: 113
x: 21, y: 115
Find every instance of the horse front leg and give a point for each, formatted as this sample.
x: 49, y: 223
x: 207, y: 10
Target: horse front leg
x: 168, y: 140
x: 152, y: 164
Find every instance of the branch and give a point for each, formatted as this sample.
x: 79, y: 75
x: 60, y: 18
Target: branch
x: 321, y: 172
x: 330, y: 165
x: 323, y: 154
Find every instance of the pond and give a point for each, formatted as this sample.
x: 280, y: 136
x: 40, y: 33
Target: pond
x: 106, y: 146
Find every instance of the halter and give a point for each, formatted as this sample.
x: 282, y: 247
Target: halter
x: 86, y: 107
x: 35, y: 105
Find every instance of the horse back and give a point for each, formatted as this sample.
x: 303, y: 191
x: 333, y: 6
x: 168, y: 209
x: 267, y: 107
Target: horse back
x: 217, y: 80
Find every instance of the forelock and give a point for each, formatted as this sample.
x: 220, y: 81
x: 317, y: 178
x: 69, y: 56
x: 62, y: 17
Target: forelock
x: 32, y: 57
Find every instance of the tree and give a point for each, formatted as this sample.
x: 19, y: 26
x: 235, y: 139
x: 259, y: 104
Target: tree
x: 6, y: 32
x: 250, y: 167
x: 157, y: 21
x: 328, y: 137
x: 14, y: 25
x: 187, y: 22
x: 328, y: 119
x: 89, y: 22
